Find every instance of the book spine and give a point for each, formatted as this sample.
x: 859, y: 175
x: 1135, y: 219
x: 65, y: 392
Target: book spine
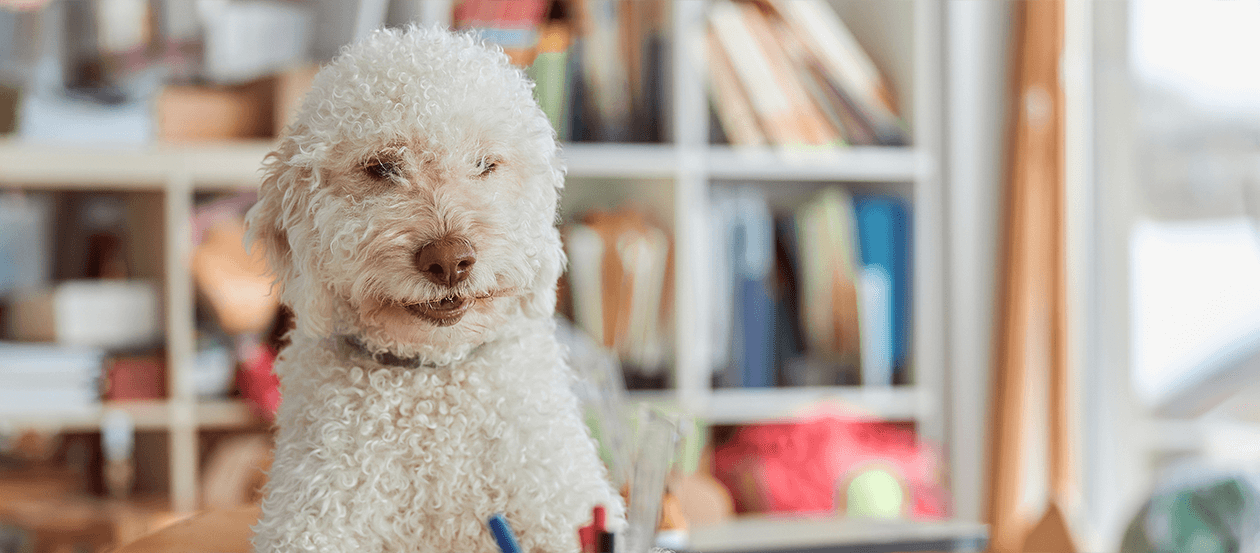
x: 734, y: 111
x: 769, y: 101
x: 883, y: 238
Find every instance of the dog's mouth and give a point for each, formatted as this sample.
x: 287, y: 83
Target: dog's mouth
x: 443, y: 312
x: 446, y: 311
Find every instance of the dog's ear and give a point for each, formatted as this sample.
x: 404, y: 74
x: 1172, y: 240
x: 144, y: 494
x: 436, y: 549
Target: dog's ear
x: 540, y: 301
x: 266, y: 220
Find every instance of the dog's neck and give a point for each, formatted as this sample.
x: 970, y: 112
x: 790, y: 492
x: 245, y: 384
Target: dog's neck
x: 352, y: 347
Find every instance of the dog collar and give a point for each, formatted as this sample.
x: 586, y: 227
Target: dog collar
x: 356, y: 348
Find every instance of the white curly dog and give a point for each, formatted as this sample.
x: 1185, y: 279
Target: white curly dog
x: 409, y: 214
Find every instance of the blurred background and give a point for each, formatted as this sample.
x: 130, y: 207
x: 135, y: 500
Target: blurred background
x: 970, y: 274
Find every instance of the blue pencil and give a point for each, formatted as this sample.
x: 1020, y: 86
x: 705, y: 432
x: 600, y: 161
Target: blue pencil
x: 503, y: 534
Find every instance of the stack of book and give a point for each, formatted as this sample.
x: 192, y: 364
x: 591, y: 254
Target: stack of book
x: 618, y: 264
x: 815, y: 296
x: 789, y: 73
x: 596, y: 64
x: 39, y: 379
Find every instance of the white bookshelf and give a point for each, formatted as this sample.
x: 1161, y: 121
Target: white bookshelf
x: 675, y: 176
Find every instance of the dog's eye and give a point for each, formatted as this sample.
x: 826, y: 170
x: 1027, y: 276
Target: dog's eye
x: 381, y: 169
x: 485, y: 166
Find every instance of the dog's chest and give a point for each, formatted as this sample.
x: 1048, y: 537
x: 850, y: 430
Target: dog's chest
x: 410, y: 411
x: 428, y: 437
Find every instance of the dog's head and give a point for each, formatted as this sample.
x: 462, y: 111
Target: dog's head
x: 413, y: 202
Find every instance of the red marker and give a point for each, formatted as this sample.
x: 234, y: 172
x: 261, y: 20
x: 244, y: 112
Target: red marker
x: 584, y: 539
x: 589, y: 535
x: 600, y: 517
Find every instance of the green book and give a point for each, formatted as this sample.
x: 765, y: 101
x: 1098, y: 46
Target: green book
x: 551, y: 88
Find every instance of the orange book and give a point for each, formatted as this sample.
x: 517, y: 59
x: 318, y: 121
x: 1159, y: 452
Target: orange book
x: 734, y: 111
x: 805, y: 114
x: 753, y: 68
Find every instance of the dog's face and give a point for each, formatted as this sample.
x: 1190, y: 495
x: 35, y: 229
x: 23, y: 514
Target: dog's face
x: 413, y: 202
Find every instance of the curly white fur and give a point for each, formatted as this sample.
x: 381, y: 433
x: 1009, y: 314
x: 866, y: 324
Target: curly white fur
x: 371, y: 457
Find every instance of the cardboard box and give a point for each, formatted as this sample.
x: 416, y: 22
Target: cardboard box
x: 202, y: 113
x: 291, y: 87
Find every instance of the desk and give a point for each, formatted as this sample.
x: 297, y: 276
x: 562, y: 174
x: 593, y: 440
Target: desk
x: 766, y: 534
x: 228, y: 532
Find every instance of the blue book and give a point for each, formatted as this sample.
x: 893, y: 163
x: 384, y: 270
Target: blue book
x: 884, y: 239
x: 756, y: 332
x: 748, y: 235
x: 789, y: 342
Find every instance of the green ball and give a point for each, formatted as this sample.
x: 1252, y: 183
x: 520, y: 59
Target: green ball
x: 875, y: 493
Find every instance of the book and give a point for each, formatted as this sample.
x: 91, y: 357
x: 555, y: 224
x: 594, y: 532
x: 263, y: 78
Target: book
x: 829, y: 305
x: 585, y: 250
x: 734, y: 112
x: 789, y: 343
x: 618, y: 263
x: 644, y: 31
x: 16, y: 400
x: 744, y: 234
x: 598, y: 65
x: 875, y: 308
x: 883, y: 224
x: 816, y: 295
x: 807, y: 79
x: 26, y: 244
x: 64, y: 363
x: 550, y: 73
x: 719, y: 292
x: 807, y: 118
x: 825, y: 35
x: 752, y: 244
x: 606, y: 80
x: 770, y: 102
x: 645, y: 255
x: 831, y: 100
x: 46, y: 378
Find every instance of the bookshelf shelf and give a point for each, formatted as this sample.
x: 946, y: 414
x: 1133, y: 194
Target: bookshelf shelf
x: 596, y: 160
x: 765, y: 405
x: 226, y: 166
x: 748, y: 405
x: 854, y: 164
x: 89, y: 167
x: 147, y: 415
x: 772, y: 534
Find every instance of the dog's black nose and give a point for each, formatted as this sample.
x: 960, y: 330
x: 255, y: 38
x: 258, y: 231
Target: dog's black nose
x: 447, y: 261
